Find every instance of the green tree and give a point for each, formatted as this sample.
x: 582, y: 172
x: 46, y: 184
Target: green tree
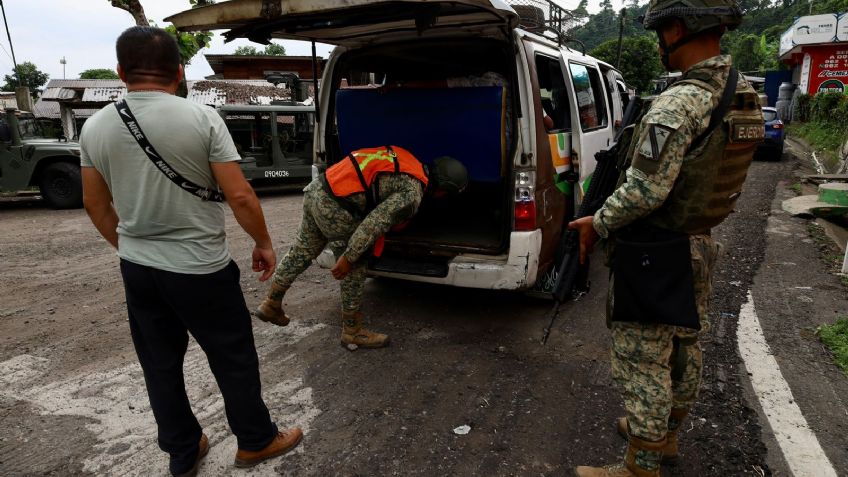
x: 640, y: 62
x: 273, y: 49
x: 190, y: 43
x: 99, y: 73
x: 29, y: 75
x: 747, y: 52
x: 248, y: 50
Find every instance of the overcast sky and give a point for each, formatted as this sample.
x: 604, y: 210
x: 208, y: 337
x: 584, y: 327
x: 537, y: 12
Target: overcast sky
x: 84, y: 33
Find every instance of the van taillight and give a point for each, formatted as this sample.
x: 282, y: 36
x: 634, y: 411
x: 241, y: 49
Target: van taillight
x: 525, y: 203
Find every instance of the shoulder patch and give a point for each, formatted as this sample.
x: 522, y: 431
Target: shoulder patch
x: 654, y: 141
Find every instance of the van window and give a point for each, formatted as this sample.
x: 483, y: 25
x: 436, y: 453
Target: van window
x: 591, y: 107
x: 553, y: 92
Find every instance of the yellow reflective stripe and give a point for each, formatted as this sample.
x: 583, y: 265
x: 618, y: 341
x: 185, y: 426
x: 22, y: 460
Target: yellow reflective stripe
x: 376, y: 156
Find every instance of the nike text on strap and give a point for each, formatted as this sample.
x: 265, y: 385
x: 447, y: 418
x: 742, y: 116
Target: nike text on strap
x: 129, y: 120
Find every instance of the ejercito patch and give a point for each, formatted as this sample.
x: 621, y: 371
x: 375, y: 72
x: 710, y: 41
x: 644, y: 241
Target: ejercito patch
x: 747, y: 132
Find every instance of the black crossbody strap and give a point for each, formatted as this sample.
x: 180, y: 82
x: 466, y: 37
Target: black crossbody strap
x: 131, y: 123
x: 721, y: 109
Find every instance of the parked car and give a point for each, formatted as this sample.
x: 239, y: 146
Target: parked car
x: 464, y: 78
x: 772, y: 146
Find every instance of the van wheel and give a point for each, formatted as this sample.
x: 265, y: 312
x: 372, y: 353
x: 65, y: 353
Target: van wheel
x: 61, y: 185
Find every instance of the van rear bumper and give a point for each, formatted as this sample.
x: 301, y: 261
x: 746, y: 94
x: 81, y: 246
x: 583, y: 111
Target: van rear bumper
x: 515, y: 270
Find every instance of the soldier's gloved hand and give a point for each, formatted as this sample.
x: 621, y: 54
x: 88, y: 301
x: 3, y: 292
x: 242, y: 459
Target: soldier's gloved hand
x: 341, y: 269
x: 588, y: 235
x: 264, y: 260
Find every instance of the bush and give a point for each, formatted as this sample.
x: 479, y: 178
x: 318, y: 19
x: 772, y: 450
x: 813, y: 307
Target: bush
x: 802, y: 108
x: 825, y: 108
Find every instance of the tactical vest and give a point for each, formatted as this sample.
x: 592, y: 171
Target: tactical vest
x: 716, y: 165
x: 357, y: 174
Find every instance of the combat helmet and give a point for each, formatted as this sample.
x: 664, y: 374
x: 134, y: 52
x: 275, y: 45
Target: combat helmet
x: 699, y: 15
x: 448, y: 175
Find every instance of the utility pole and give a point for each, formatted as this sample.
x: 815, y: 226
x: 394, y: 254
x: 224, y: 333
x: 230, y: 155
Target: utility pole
x: 63, y: 62
x: 9, y: 35
x: 622, y: 16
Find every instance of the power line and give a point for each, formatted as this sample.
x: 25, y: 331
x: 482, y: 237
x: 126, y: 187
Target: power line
x: 11, y: 47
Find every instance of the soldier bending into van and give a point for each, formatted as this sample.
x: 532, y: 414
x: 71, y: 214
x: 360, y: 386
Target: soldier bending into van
x: 689, y: 159
x: 350, y: 207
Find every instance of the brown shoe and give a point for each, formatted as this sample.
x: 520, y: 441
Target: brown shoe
x: 646, y: 465
x: 202, y: 450
x: 284, y: 442
x: 354, y: 333
x: 671, y: 454
x: 271, y: 308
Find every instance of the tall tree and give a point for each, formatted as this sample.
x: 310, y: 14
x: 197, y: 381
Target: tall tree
x: 247, y: 50
x: 273, y: 49
x: 640, y: 62
x: 99, y: 73
x: 134, y: 8
x: 29, y: 75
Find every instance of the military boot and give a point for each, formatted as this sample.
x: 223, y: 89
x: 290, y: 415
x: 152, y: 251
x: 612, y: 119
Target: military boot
x: 641, y: 460
x: 670, y: 451
x: 271, y: 308
x: 354, y: 333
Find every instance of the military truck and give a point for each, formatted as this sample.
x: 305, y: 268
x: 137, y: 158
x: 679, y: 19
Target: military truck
x: 274, y: 141
x: 29, y: 159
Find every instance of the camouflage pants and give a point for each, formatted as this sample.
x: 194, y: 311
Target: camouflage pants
x: 641, y: 355
x: 324, y: 222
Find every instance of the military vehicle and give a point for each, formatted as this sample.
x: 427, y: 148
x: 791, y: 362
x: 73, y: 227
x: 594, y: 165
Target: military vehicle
x: 29, y: 159
x: 274, y: 141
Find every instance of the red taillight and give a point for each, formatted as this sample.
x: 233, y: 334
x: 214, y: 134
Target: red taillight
x: 777, y: 126
x: 525, y: 215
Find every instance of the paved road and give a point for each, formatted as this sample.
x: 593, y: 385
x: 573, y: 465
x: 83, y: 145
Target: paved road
x: 72, y: 399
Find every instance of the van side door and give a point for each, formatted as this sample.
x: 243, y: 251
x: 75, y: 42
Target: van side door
x: 592, y: 125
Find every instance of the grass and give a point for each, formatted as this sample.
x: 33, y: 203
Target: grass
x: 796, y: 188
x: 826, y: 139
x: 835, y: 336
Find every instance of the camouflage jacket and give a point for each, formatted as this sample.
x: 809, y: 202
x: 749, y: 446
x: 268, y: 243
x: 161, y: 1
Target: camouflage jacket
x: 399, y: 198
x: 675, y: 119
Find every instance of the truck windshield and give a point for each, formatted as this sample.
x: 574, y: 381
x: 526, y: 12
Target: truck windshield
x: 30, y: 128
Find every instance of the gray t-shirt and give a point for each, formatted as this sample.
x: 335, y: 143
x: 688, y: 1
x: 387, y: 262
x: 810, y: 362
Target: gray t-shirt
x: 161, y: 225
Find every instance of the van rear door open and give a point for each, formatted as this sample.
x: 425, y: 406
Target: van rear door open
x: 350, y: 23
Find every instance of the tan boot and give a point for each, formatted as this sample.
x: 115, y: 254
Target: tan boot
x: 354, y: 333
x: 285, y: 441
x: 641, y: 460
x: 271, y: 308
x: 670, y: 451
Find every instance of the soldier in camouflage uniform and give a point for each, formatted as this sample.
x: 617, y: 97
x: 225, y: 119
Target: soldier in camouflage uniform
x: 684, y: 175
x: 351, y: 224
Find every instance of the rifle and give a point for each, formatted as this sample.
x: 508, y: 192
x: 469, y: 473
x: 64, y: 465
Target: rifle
x: 572, y: 277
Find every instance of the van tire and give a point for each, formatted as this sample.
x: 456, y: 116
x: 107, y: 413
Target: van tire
x: 61, y: 185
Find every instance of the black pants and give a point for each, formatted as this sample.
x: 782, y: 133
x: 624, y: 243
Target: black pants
x: 163, y: 308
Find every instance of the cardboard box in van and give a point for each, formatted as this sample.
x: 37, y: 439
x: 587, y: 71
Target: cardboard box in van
x: 470, y: 79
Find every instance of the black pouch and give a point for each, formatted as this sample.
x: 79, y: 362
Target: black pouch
x: 653, y: 279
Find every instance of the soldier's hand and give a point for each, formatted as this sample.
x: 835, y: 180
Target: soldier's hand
x: 588, y: 235
x: 264, y: 260
x: 341, y: 269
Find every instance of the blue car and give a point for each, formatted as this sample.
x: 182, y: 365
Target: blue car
x: 772, y: 147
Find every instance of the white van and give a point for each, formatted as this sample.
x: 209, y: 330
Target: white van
x: 459, y: 78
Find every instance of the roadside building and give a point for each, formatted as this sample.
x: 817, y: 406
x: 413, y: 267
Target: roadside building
x: 815, y: 48
x: 68, y: 103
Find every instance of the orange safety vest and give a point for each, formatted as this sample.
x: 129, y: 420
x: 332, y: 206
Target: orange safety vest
x: 356, y: 173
